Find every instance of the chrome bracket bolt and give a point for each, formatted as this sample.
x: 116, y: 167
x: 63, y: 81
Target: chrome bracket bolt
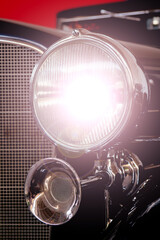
x: 75, y: 32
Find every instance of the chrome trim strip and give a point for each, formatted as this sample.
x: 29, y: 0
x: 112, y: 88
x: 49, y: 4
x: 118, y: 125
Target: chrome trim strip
x: 91, y: 180
x: 153, y: 111
x: 146, y: 139
x: 151, y: 167
x: 23, y: 42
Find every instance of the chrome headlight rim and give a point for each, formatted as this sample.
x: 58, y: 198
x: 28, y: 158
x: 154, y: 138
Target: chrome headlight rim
x: 124, y: 58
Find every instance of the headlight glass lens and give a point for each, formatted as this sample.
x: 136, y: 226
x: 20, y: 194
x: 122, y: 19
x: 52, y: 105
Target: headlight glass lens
x: 80, y: 94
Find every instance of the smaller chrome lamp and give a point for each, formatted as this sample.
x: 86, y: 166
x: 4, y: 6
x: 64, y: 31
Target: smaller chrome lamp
x: 53, y: 191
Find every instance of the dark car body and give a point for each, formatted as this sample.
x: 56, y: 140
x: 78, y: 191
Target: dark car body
x: 23, y: 144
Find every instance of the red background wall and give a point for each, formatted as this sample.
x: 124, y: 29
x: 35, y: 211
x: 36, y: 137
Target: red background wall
x: 41, y: 12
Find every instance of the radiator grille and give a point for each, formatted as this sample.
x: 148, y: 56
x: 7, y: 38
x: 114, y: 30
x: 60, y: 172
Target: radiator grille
x: 21, y: 143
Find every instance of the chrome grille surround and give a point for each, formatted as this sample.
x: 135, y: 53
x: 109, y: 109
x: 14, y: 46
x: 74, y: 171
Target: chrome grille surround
x: 21, y: 142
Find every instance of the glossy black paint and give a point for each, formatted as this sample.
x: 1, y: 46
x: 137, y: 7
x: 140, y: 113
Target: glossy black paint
x: 11, y: 29
x: 89, y: 221
x: 139, y: 217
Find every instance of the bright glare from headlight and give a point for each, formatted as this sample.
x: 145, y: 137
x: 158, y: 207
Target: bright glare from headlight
x: 88, y: 99
x: 80, y: 94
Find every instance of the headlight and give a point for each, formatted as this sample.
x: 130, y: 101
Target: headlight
x: 84, y: 91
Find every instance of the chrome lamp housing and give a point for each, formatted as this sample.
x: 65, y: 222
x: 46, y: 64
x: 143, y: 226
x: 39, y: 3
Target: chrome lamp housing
x: 85, y: 90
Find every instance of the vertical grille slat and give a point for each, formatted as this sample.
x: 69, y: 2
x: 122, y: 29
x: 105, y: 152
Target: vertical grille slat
x: 21, y: 142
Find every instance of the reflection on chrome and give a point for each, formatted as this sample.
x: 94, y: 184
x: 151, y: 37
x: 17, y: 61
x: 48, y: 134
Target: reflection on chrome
x: 53, y: 191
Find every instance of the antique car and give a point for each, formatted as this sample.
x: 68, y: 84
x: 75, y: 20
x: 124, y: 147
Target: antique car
x: 80, y: 134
